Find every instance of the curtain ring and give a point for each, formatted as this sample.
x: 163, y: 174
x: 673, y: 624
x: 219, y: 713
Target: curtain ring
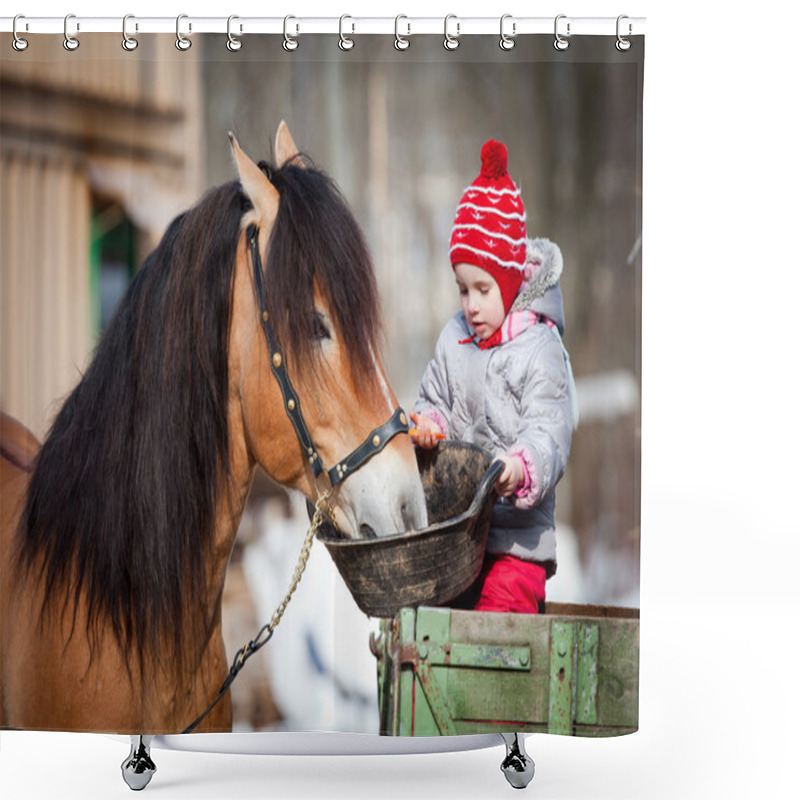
x: 560, y: 42
x: 233, y: 44
x: 507, y: 42
x: 451, y: 42
x: 401, y: 42
x: 623, y: 44
x: 18, y: 43
x: 70, y: 42
x: 181, y: 42
x: 290, y: 43
x: 129, y: 43
x: 344, y: 42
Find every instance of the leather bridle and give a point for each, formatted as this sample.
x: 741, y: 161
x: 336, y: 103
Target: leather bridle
x: 375, y: 441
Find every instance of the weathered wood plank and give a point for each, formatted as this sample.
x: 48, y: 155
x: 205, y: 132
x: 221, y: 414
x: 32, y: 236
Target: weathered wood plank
x: 618, y: 676
x: 588, y: 641
x: 507, y: 629
x: 580, y: 610
x: 517, y: 696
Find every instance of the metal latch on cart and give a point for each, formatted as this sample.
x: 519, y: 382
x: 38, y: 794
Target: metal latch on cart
x: 478, y: 656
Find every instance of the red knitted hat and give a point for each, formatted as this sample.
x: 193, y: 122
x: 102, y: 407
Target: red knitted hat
x: 489, y: 228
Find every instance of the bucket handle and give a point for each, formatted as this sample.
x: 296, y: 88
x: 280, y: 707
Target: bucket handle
x: 485, y: 486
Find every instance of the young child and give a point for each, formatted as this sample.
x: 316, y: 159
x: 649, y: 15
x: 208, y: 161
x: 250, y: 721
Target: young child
x: 500, y: 378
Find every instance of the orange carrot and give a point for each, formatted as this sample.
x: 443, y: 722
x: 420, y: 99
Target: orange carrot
x: 416, y: 432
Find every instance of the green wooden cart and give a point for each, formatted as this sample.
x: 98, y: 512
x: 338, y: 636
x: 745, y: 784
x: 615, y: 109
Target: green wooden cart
x: 573, y: 670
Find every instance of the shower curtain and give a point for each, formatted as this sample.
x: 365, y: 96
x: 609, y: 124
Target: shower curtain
x: 102, y: 146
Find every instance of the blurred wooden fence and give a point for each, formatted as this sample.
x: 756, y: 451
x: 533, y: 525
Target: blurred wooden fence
x: 79, y: 131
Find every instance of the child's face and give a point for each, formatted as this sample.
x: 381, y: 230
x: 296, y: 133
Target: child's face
x: 481, y: 300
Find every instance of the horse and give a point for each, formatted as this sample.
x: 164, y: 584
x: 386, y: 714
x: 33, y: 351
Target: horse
x: 117, y: 531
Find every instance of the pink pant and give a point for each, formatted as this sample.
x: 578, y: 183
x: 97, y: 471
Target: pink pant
x: 510, y: 584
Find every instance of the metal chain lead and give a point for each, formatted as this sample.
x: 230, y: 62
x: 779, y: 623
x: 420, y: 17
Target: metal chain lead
x: 305, y: 552
x: 247, y: 650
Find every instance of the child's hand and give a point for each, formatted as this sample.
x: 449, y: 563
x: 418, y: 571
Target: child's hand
x: 427, y: 433
x: 512, y: 475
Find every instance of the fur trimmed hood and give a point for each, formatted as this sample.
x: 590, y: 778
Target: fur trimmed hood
x: 541, y: 292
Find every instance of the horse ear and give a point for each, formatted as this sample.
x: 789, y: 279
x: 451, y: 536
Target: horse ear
x: 285, y: 148
x: 263, y: 195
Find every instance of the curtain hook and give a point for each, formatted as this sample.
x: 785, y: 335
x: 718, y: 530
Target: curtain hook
x: 290, y: 43
x: 451, y: 42
x: 18, y: 43
x: 181, y: 42
x: 344, y: 42
x: 70, y: 42
x: 129, y: 43
x: 623, y: 44
x: 507, y: 42
x: 233, y: 44
x: 560, y: 42
x: 401, y: 42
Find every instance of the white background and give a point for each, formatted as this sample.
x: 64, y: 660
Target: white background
x: 720, y: 604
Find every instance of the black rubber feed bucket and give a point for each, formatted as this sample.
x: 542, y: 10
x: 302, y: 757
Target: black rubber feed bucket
x: 435, y: 565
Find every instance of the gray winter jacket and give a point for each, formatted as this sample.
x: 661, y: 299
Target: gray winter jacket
x: 514, y: 398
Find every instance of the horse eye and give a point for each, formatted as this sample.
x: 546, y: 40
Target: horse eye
x: 320, y: 329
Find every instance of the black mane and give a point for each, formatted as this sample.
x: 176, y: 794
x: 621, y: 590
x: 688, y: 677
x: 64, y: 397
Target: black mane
x: 315, y: 236
x: 121, y: 503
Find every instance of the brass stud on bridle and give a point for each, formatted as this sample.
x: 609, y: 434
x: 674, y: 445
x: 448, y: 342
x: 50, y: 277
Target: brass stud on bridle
x: 277, y: 360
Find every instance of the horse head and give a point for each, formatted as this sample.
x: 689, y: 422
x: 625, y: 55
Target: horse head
x: 317, y: 300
